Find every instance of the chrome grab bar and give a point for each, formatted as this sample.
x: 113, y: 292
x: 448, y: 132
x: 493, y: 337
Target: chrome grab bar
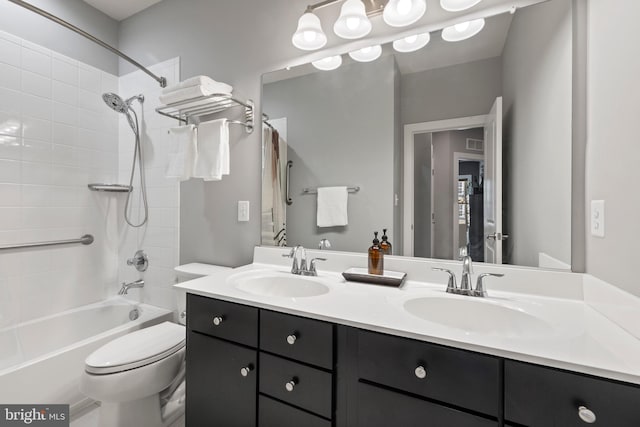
x: 87, y: 239
x: 288, y: 195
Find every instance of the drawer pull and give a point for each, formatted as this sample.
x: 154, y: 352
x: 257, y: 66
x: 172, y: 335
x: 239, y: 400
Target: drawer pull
x: 218, y: 320
x: 421, y: 372
x: 291, y: 339
x: 246, y: 370
x: 289, y: 386
x: 586, y: 415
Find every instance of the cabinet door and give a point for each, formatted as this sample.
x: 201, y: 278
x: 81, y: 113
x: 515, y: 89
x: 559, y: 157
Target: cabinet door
x: 538, y: 397
x: 217, y: 391
x: 378, y: 407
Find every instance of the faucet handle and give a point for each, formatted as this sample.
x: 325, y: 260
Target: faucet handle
x: 479, y: 291
x: 312, y: 265
x: 451, y: 285
x: 291, y: 253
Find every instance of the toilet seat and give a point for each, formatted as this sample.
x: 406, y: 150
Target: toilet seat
x: 137, y: 349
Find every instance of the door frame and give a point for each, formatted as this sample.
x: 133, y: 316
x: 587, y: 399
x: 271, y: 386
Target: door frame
x: 410, y: 131
x: 457, y: 156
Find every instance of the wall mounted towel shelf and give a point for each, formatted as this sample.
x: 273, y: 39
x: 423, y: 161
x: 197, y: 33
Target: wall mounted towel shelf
x: 315, y: 190
x: 191, y: 109
x: 111, y: 188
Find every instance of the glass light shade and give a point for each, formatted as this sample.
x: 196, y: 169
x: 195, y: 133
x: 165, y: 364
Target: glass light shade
x: 367, y: 54
x: 353, y: 22
x: 400, y: 13
x: 458, y: 5
x: 462, y: 31
x: 412, y: 43
x: 309, y: 35
x: 329, y: 63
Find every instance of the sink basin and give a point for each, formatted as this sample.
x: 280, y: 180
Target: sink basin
x: 478, y: 316
x: 281, y: 285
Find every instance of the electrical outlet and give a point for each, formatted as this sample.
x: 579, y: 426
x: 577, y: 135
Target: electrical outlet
x: 243, y: 210
x: 597, y: 218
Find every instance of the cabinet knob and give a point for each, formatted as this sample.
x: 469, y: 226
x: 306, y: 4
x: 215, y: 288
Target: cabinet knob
x: 289, y: 386
x: 586, y: 415
x: 218, y: 320
x: 291, y: 339
x: 246, y: 370
x: 421, y: 372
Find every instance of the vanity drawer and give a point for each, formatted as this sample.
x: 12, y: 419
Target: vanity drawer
x: 312, y: 388
x: 299, y: 338
x: 276, y: 414
x: 457, y: 377
x: 222, y: 319
x: 377, y: 407
x: 540, y: 396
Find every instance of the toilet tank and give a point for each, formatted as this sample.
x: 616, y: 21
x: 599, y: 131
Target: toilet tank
x: 192, y: 271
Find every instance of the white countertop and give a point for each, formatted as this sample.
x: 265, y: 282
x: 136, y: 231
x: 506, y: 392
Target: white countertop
x: 579, y: 339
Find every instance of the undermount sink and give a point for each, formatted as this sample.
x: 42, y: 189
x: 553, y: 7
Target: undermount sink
x: 477, y: 315
x: 281, y: 285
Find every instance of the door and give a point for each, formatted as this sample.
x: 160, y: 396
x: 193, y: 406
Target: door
x: 493, y: 184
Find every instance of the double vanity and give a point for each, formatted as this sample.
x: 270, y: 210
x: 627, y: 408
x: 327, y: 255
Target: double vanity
x: 271, y: 349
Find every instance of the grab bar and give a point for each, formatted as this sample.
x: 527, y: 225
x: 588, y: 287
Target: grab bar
x: 87, y: 239
x: 289, y: 199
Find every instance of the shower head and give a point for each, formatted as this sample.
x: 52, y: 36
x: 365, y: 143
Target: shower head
x: 116, y: 103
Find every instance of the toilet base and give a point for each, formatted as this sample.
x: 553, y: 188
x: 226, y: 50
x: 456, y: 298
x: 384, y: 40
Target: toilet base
x: 140, y: 413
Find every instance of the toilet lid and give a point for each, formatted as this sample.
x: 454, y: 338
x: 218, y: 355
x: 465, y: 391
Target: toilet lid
x: 137, y: 349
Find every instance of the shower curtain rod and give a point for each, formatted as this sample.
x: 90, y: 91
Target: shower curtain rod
x: 44, y: 13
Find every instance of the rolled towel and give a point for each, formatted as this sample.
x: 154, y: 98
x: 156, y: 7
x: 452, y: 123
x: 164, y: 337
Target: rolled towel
x: 181, y: 158
x: 332, y: 207
x: 213, y: 159
x: 189, y: 93
x: 203, y: 81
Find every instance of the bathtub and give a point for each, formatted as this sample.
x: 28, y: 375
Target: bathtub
x: 41, y: 360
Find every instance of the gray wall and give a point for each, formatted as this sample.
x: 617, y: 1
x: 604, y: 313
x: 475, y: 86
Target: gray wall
x: 422, y: 195
x: 613, y: 148
x: 445, y: 93
x: 537, y: 73
x: 333, y: 141
x: 30, y: 26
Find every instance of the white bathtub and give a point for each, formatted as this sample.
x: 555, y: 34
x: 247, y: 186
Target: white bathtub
x: 41, y: 360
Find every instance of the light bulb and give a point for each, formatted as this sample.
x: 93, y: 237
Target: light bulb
x: 328, y: 64
x: 404, y: 7
x: 366, y: 54
x: 462, y: 27
x: 411, y: 39
x: 309, y: 36
x: 400, y: 13
x: 411, y: 43
x: 353, y: 23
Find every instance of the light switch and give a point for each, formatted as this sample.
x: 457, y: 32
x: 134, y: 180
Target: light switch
x: 243, y: 210
x: 597, y: 218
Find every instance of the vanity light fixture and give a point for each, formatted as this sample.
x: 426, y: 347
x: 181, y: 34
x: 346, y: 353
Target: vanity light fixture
x: 412, y: 43
x: 400, y: 13
x: 367, y: 54
x: 463, y: 30
x: 353, y: 22
x: 309, y: 34
x: 458, y: 5
x: 329, y: 63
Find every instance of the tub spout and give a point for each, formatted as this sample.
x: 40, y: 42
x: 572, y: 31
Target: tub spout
x: 124, y: 290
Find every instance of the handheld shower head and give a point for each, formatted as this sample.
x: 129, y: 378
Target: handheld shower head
x: 115, y: 102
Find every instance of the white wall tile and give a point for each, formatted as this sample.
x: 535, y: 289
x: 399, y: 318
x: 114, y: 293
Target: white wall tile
x: 65, y: 71
x: 36, y: 84
x: 34, y: 128
x: 34, y: 150
x: 65, y: 114
x: 11, y: 195
x: 36, y: 62
x: 9, y: 76
x: 10, y: 100
x: 36, y: 173
x: 65, y: 93
x: 35, y: 106
x: 10, y: 148
x: 89, y: 78
x: 10, y: 171
x: 9, y: 53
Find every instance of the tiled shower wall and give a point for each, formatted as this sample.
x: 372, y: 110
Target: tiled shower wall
x: 160, y: 237
x: 55, y: 137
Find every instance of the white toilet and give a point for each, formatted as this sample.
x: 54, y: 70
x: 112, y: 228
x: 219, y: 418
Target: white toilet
x: 139, y: 377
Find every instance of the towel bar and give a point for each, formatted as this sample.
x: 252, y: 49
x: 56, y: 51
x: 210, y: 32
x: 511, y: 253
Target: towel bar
x: 315, y: 190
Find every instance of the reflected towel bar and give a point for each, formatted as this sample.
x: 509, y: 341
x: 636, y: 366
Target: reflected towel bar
x: 87, y: 239
x: 315, y: 190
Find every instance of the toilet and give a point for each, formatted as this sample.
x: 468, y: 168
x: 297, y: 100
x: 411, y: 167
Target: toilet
x: 138, y: 378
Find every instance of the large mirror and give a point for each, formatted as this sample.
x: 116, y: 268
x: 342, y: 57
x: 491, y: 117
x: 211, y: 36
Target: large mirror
x: 461, y: 144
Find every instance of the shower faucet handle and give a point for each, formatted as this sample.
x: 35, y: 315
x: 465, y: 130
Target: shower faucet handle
x: 140, y: 261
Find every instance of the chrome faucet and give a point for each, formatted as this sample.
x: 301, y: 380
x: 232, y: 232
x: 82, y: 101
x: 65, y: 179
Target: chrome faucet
x: 324, y: 244
x: 124, y: 290
x: 301, y: 267
x: 465, y: 282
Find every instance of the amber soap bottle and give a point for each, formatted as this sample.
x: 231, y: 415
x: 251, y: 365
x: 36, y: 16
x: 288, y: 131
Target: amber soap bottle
x: 385, y: 245
x: 376, y: 257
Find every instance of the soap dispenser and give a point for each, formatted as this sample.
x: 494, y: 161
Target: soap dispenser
x: 376, y: 257
x: 385, y: 245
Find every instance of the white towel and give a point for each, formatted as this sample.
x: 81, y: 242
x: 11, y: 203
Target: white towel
x: 182, y: 152
x: 332, y: 206
x: 189, y: 93
x: 212, y: 161
x: 204, y: 81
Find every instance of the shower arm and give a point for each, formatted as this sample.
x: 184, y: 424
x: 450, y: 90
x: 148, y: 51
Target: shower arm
x: 44, y: 13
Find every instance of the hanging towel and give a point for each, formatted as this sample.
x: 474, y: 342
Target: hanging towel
x: 189, y: 93
x: 204, y: 81
x: 332, y: 206
x: 182, y: 152
x: 212, y: 161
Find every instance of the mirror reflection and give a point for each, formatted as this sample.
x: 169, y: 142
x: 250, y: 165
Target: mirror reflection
x: 461, y: 145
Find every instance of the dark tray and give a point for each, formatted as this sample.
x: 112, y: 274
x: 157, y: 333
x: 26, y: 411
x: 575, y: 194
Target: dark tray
x: 389, y: 278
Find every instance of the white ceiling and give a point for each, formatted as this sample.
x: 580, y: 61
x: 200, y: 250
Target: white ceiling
x: 121, y: 9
